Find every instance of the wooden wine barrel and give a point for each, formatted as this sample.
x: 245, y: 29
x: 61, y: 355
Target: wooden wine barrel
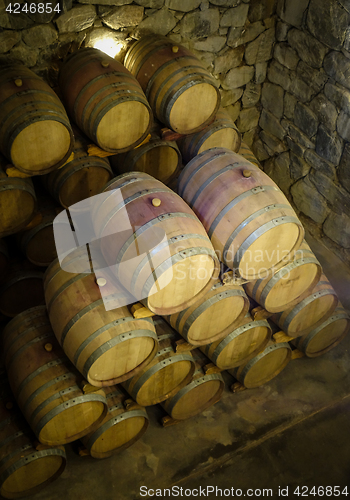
x: 35, y: 133
x: 124, y: 424
x: 248, y: 154
x: 222, y: 132
x: 182, y: 93
x: 290, y: 285
x: 166, y: 374
x: 17, y: 202
x: 243, y: 342
x: 37, y: 241
x: 4, y: 260
x: 45, y: 385
x: 202, y: 392
x: 264, y: 366
x: 106, y: 346
x: 309, y: 313
x: 21, y: 290
x: 213, y: 316
x: 326, y: 336
x: 104, y: 100
x: 80, y: 178
x: 26, y: 467
x: 249, y: 220
x: 185, y: 265
x: 161, y: 159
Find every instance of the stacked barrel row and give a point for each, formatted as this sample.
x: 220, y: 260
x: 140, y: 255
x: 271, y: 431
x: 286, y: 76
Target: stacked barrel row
x: 86, y: 339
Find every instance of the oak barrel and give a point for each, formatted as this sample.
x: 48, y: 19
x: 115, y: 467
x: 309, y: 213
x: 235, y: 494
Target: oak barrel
x: 45, y: 385
x: 80, y: 178
x: 161, y: 159
x: 203, y: 391
x: 249, y: 220
x: 213, y: 316
x: 310, y: 312
x: 37, y: 240
x: 104, y: 100
x: 264, y: 366
x: 326, y: 336
x: 248, y: 154
x: 178, y: 271
x: 124, y: 424
x: 25, y: 466
x: 290, y: 285
x: 106, y: 346
x: 17, y: 202
x: 182, y: 93
x: 4, y: 260
x: 166, y: 374
x: 243, y: 342
x: 222, y: 132
x: 35, y: 133
x: 21, y: 289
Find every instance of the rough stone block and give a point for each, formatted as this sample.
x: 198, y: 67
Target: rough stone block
x: 211, y: 44
x: 292, y: 11
x: 298, y: 166
x: 240, y: 36
x: 273, y: 143
x: 238, y: 77
x: 251, y: 95
x: 77, y: 19
x: 325, y: 111
x: 279, y: 75
x: 260, y: 50
x: 337, y: 228
x: 8, y: 39
x: 230, y: 96
x: 345, y: 4
x: 316, y: 78
x: 282, y: 31
x: 235, y: 17
x: 183, y: 5
x: 289, y: 103
x: 40, y: 35
x: 337, y: 197
x: 225, y: 3
x: 278, y: 169
x: 250, y: 136
x: 297, y: 135
x: 302, y: 90
x: 234, y: 110
x: 14, y: 22
x: 259, y: 150
x: 305, y: 119
x: 328, y: 22
x: 286, y: 56
x: 248, y: 119
x: 320, y: 164
x: 344, y: 168
x: 200, y: 24
x: 230, y: 59
x: 150, y: 4
x: 260, y: 72
x: 328, y: 145
x: 272, y: 99
x: 309, y: 201
x: 271, y: 124
x: 25, y: 55
x: 128, y: 15
x: 339, y: 96
x: 343, y: 126
x: 295, y: 147
x: 309, y: 49
x: 261, y: 9
x: 337, y: 66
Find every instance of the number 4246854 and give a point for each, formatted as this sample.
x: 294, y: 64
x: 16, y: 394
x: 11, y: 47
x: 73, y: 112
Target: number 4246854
x: 320, y: 491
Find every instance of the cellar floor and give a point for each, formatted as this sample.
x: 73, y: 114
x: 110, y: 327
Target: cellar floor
x: 294, y: 431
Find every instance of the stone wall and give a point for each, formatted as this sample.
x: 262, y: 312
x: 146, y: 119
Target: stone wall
x: 304, y: 141
x: 234, y: 38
